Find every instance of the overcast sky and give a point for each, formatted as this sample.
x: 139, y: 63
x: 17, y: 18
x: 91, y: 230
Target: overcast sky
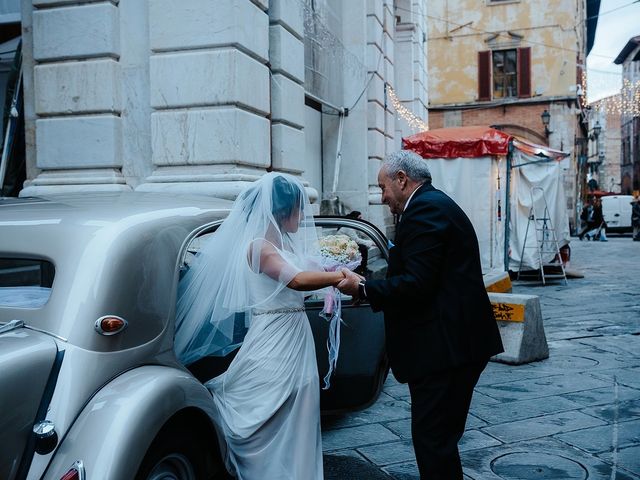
x: 619, y: 21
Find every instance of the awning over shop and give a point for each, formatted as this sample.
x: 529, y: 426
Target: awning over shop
x: 538, y: 150
x: 473, y: 142
x: 458, y: 142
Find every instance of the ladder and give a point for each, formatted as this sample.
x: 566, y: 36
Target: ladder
x: 546, y: 239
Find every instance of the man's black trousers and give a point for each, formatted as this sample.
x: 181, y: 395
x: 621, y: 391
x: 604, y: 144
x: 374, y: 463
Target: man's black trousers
x: 439, y: 406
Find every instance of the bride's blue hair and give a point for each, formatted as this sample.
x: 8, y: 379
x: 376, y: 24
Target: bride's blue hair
x: 285, y: 198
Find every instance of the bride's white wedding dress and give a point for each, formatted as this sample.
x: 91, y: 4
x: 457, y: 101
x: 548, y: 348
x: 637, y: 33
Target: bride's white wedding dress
x: 268, y: 402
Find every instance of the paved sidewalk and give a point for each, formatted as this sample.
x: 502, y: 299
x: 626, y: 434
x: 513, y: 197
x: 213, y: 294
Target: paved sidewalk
x: 573, y: 416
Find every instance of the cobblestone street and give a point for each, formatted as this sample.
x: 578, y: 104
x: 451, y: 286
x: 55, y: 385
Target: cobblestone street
x: 575, y: 415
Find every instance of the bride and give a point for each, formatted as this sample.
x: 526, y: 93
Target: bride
x: 258, y: 263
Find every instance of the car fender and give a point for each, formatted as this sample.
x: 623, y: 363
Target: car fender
x: 114, y: 430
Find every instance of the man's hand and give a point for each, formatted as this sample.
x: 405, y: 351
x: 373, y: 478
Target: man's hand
x: 349, y: 285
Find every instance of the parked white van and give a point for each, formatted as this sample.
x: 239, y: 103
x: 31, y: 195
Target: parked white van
x: 616, y: 210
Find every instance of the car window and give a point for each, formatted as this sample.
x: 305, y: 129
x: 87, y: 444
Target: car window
x: 193, y: 248
x: 25, y: 283
x: 372, y: 263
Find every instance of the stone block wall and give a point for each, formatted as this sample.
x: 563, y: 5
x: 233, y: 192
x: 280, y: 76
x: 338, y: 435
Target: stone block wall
x: 209, y: 128
x: 204, y: 96
x: 74, y: 116
x: 286, y: 56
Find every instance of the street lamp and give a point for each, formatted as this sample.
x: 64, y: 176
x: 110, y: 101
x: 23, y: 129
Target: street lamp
x: 546, y: 117
x: 596, y: 131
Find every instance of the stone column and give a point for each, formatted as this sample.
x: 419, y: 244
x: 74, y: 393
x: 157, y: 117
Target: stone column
x: 286, y: 57
x: 411, y: 65
x: 73, y: 96
x: 380, y: 117
x: 209, y: 91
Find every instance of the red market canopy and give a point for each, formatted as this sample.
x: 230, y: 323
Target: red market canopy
x: 457, y: 142
x: 472, y: 142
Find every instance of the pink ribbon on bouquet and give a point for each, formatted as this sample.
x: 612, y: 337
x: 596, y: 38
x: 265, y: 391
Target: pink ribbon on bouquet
x: 332, y: 311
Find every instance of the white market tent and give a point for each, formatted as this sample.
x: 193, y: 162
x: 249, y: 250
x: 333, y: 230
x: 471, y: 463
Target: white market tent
x: 490, y: 174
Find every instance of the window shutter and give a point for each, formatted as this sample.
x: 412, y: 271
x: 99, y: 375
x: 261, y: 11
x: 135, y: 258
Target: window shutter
x: 524, y: 72
x: 484, y: 75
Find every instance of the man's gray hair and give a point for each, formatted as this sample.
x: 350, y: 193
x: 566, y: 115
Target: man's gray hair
x: 410, y: 163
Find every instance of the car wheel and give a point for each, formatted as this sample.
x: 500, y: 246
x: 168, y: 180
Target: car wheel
x: 182, y: 451
x: 173, y: 466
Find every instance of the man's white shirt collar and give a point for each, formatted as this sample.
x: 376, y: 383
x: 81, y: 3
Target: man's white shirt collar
x: 410, y: 197
x: 408, y: 200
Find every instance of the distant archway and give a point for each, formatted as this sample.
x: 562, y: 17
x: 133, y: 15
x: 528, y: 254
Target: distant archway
x: 521, y: 131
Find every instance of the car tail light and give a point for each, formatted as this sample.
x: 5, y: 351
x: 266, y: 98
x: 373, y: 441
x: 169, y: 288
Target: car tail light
x: 76, y: 472
x: 110, y: 325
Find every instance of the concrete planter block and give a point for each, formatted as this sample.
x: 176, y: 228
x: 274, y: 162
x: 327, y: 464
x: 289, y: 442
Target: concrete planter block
x: 78, y: 31
x: 497, y: 281
x: 519, y: 319
x: 287, y: 148
x: 212, y: 79
x: 79, y: 142
x: 205, y: 23
x: 75, y: 87
x: 287, y: 101
x: 286, y: 53
x: 209, y: 136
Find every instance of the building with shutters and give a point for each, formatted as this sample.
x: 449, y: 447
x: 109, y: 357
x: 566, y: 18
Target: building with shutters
x: 204, y: 96
x: 505, y: 63
x: 629, y: 58
x: 604, y: 158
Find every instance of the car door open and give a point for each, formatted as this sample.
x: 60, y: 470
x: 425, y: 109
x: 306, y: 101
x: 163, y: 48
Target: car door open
x: 362, y: 362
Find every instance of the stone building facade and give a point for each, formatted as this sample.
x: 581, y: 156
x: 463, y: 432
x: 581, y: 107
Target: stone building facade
x: 204, y: 96
x: 629, y: 58
x: 604, y: 159
x: 505, y: 62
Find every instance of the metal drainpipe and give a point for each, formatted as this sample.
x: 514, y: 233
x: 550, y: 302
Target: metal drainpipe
x: 507, y: 207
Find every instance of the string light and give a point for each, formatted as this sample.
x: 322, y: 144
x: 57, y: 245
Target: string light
x: 584, y: 99
x: 627, y: 102
x: 412, y: 120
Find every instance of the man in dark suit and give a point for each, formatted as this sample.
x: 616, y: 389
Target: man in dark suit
x: 440, y: 328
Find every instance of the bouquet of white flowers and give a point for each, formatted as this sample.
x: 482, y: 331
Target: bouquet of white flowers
x: 340, y: 250
x: 336, y: 252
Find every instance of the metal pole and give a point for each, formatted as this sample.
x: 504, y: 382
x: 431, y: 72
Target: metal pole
x: 11, y: 130
x: 336, y: 170
x: 507, y: 207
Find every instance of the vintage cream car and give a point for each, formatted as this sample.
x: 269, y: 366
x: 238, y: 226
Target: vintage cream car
x: 89, y: 385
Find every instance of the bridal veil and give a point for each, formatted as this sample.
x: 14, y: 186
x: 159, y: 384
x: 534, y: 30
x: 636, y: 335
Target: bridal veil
x: 215, y: 301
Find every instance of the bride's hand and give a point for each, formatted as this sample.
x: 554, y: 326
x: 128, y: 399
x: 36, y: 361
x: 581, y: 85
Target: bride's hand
x: 341, y: 277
